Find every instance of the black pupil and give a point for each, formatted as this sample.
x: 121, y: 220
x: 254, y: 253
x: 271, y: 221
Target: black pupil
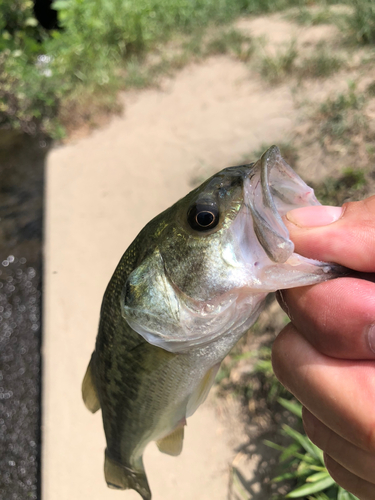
x: 203, y: 216
x: 205, y: 219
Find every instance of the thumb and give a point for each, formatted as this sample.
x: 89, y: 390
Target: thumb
x: 344, y: 235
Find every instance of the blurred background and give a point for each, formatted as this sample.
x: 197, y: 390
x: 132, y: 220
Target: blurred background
x: 111, y: 110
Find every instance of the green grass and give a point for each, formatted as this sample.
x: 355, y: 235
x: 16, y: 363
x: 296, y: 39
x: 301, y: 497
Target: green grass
x: 341, y: 116
x: 359, y: 24
x: 303, y: 462
x: 232, y: 42
x: 275, y: 68
x: 351, y: 184
x: 103, y: 45
x: 97, y: 41
x: 342, y: 127
x: 141, y: 72
x: 321, y: 64
x: 311, y: 17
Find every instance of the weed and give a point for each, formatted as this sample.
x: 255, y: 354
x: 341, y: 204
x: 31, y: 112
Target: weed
x: 231, y: 41
x: 96, y: 41
x: 264, y: 6
x: 320, y: 64
x: 137, y: 75
x: 300, y: 460
x: 192, y: 46
x: 370, y: 91
x: 275, y: 68
x: 341, y: 117
x: 311, y: 17
x: 350, y: 185
x: 304, y: 462
x: 141, y: 72
x: 360, y: 23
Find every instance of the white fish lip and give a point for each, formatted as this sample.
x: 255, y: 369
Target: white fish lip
x: 271, y: 190
x: 258, y: 249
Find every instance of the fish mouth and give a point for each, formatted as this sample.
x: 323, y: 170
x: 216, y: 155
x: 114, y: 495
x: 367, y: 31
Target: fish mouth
x: 270, y: 191
x: 262, y: 249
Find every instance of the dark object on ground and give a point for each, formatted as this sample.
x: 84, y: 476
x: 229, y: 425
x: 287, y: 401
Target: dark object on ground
x: 46, y: 16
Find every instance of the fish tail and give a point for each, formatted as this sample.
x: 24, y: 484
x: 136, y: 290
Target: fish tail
x: 121, y: 477
x: 89, y: 392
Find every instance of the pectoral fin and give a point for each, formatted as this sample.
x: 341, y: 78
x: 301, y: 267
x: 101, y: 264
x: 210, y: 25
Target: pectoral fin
x: 89, y: 393
x: 172, y: 444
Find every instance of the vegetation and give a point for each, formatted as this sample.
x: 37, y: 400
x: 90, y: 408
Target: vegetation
x: 286, y: 63
x: 100, y: 41
x: 321, y: 64
x: 275, y: 68
x: 350, y: 185
x: 341, y: 115
x: 139, y: 74
x: 343, y: 128
x: 46, y: 78
x: 103, y: 44
x: 360, y: 22
x: 309, y: 17
x: 230, y: 41
x: 303, y: 462
x: 26, y: 93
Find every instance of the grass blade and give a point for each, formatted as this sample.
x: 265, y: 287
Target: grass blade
x: 308, y: 489
x: 293, y: 407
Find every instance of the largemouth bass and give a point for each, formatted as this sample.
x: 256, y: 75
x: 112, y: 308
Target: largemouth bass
x: 189, y: 286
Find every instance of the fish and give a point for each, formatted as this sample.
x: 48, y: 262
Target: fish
x: 189, y: 286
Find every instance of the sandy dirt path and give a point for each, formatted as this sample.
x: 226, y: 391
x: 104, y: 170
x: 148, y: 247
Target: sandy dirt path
x: 101, y: 190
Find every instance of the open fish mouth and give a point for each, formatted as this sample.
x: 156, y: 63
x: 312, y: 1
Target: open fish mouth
x: 261, y: 247
x: 270, y: 191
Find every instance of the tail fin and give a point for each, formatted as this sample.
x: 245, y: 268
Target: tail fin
x: 120, y: 477
x: 89, y: 393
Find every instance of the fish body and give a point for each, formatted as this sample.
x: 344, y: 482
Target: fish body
x: 189, y: 286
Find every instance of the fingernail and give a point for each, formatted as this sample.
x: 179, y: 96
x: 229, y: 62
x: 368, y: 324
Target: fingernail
x: 314, y: 216
x: 371, y: 337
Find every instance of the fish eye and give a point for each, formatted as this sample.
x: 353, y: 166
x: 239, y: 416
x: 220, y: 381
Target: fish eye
x: 203, y: 216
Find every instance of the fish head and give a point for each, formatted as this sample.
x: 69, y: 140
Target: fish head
x: 222, y: 249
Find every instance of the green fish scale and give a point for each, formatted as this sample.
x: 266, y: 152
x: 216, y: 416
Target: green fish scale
x: 124, y: 364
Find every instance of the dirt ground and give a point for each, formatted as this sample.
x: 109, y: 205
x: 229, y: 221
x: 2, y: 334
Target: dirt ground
x: 101, y: 190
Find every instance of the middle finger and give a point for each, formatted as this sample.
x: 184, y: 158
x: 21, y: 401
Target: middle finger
x: 333, y: 389
x: 337, y: 317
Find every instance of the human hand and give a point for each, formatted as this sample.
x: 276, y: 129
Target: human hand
x: 326, y: 355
